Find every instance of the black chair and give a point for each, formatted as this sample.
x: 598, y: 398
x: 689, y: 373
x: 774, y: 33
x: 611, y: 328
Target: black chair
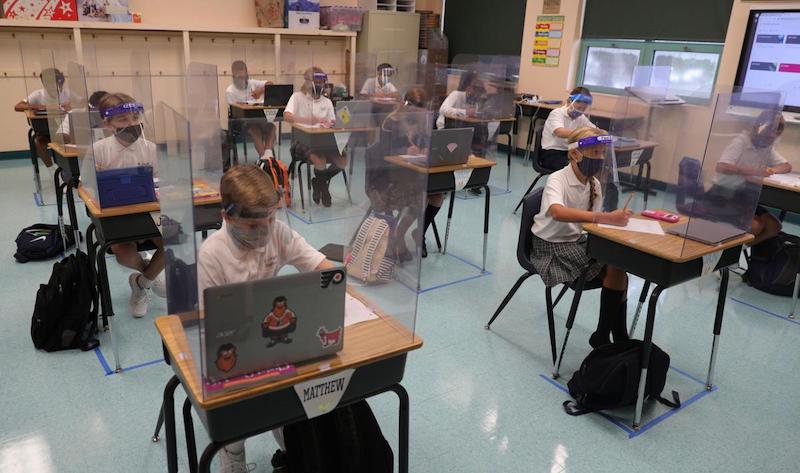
x: 537, y: 165
x: 506, y: 129
x: 299, y: 159
x: 531, y: 205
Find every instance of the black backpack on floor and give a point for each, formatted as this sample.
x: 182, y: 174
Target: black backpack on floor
x: 65, y: 314
x: 42, y: 241
x: 773, y: 265
x: 347, y: 440
x: 609, y: 378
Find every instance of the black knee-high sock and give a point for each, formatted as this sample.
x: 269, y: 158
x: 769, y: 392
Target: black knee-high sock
x: 610, y: 301
x: 619, y: 329
x: 430, y: 214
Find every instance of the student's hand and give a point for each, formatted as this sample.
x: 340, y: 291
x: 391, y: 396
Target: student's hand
x: 258, y: 92
x: 66, y: 106
x: 769, y: 171
x: 618, y: 217
x: 414, y: 150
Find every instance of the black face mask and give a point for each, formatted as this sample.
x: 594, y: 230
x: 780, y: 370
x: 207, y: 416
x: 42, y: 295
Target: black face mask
x: 589, y: 167
x: 241, y: 83
x: 129, y: 134
x: 762, y: 140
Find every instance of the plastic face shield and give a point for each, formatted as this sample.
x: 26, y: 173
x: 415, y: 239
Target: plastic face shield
x: 318, y: 81
x: 579, y: 104
x: 385, y: 75
x: 127, y: 121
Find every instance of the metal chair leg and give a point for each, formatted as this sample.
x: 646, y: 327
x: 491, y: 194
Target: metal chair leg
x: 436, y: 236
x: 642, y: 299
x: 527, y: 192
x: 551, y: 321
x: 157, y: 433
x: 508, y: 297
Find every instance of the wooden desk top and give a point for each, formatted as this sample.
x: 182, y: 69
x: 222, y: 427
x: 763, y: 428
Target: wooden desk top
x: 247, y: 106
x: 326, y: 131
x: 473, y: 162
x: 364, y: 343
x: 641, y: 144
x: 669, y: 247
x: 31, y: 115
x: 594, y: 113
x: 67, y: 151
x: 133, y: 209
x: 551, y: 106
x: 466, y: 119
x: 782, y: 186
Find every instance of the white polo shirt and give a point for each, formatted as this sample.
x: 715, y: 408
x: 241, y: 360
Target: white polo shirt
x: 564, y: 188
x: 559, y: 118
x: 303, y: 105
x: 222, y: 261
x: 371, y: 87
x: 109, y: 153
x: 454, y: 104
x: 741, y: 153
x: 235, y: 95
x: 41, y: 97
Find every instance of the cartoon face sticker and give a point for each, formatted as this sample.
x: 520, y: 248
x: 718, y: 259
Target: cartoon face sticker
x: 279, y: 323
x: 226, y: 357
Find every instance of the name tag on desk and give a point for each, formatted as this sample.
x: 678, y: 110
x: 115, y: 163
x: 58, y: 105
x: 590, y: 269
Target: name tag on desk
x: 635, y: 155
x: 462, y: 178
x: 270, y: 114
x: 321, y: 395
x: 156, y: 216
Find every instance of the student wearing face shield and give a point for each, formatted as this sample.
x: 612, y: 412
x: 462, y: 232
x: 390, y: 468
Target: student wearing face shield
x: 751, y: 155
x: 309, y: 107
x: 572, y: 197
x: 560, y: 124
x: 127, y: 147
x: 251, y: 245
x: 381, y: 85
x: 244, y: 89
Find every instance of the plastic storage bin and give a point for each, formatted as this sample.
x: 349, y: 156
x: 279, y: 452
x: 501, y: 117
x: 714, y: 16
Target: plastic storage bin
x: 339, y: 18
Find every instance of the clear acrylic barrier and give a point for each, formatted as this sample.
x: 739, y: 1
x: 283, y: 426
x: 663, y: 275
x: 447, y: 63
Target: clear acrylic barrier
x: 738, y: 155
x: 254, y: 328
x: 58, y: 98
x: 128, y: 81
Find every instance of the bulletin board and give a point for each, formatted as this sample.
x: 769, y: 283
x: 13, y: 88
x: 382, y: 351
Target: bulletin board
x: 547, y: 41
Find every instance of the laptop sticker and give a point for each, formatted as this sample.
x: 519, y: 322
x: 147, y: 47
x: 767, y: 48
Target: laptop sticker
x: 226, y: 357
x: 279, y: 323
x: 335, y: 276
x: 329, y: 338
x: 344, y: 115
x: 452, y: 147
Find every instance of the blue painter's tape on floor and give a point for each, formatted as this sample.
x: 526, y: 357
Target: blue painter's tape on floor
x: 308, y: 222
x: 102, y: 359
x: 765, y: 311
x: 496, y: 191
x: 140, y: 365
x: 459, y: 281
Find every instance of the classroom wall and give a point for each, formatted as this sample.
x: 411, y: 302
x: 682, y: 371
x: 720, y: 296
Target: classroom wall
x: 679, y: 130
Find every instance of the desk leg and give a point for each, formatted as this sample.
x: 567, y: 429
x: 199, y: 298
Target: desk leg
x: 402, y: 454
x: 60, y: 205
x: 188, y: 427
x: 169, y: 423
x: 723, y: 291
x: 449, y: 219
x: 91, y: 253
x: 529, y: 139
x: 642, y: 298
x: 573, y: 310
x: 646, y: 347
x: 37, y: 181
x: 485, y: 226
x: 107, y: 307
x: 73, y: 216
x: 646, y: 183
x: 208, y: 456
x: 794, y: 296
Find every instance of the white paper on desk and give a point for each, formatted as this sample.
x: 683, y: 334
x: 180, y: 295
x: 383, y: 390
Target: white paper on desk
x: 462, y: 178
x: 356, y: 312
x: 492, y: 126
x: 321, y: 395
x: 305, y: 125
x: 639, y: 225
x: 784, y: 179
x: 341, y: 140
x: 412, y: 156
x: 271, y: 113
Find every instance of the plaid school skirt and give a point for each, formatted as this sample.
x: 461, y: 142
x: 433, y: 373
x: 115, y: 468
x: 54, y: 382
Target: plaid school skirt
x: 560, y: 263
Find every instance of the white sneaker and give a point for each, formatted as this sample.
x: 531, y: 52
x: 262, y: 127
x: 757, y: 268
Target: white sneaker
x: 234, y: 462
x: 159, y: 286
x: 139, y: 297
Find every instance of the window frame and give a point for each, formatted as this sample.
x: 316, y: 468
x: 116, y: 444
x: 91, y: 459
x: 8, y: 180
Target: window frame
x: 647, y: 50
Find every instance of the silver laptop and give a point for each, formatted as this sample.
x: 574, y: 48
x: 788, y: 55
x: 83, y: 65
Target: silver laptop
x: 706, y: 231
x: 353, y: 114
x: 258, y: 325
x: 449, y: 146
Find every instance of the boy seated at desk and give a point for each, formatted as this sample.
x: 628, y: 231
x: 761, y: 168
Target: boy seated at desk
x: 53, y: 93
x: 381, y: 86
x: 753, y: 154
x: 251, y: 245
x: 64, y: 128
x: 309, y: 107
x: 560, y: 123
x: 127, y: 147
x: 244, y: 89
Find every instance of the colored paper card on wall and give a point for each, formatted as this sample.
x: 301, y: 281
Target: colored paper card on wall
x: 553, y: 52
x: 552, y: 61
x: 556, y: 26
x: 66, y: 10
x: 554, y: 34
x: 554, y: 43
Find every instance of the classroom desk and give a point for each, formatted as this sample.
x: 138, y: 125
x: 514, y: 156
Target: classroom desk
x: 376, y: 349
x: 311, y: 136
x: 787, y: 199
x: 242, y: 111
x: 666, y: 260
x: 39, y: 125
x: 130, y: 223
x: 67, y: 170
x: 455, y: 121
x: 443, y: 179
